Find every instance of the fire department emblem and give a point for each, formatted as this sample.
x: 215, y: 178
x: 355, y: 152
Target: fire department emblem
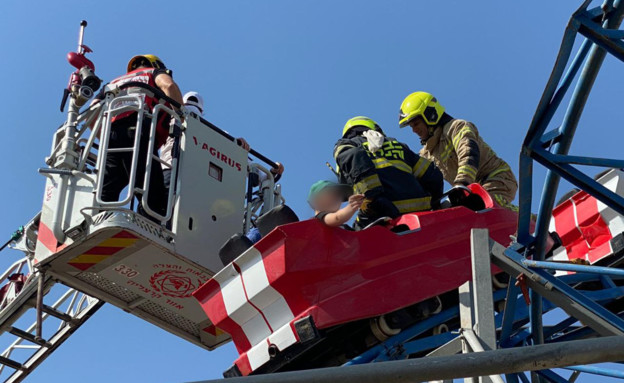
x: 174, y: 283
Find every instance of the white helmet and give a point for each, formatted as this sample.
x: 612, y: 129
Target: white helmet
x: 194, y: 102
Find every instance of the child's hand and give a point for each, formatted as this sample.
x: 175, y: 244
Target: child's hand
x: 355, y: 201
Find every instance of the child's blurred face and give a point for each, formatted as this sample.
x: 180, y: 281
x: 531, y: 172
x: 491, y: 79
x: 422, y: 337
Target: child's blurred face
x: 328, y: 200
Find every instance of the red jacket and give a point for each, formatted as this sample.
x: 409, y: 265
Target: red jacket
x: 146, y: 76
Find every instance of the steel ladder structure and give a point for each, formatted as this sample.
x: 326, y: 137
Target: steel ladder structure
x: 64, y: 310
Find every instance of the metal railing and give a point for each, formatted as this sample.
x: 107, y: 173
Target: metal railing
x: 111, y: 111
x: 267, y: 196
x: 151, y: 158
x: 96, y: 148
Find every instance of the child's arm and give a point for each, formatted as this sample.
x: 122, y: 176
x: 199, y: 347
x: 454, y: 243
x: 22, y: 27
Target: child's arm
x: 343, y: 215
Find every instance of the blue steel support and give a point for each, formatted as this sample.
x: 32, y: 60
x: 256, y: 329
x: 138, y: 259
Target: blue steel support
x: 573, y: 267
x: 579, y: 333
x: 595, y: 370
x: 523, y: 378
x: 579, y: 98
x: 599, y: 40
x: 418, y: 346
x: 546, y: 109
x: 550, y: 285
x: 580, y: 179
x: 404, y: 336
x: 570, y: 122
x: 589, y: 161
x: 551, y: 376
x: 510, y: 322
x: 535, y: 317
x: 508, y: 315
x: 551, y: 99
x: 563, y: 325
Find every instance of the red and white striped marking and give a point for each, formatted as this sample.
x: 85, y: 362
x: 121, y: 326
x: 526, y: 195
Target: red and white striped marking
x: 586, y: 225
x: 258, y: 310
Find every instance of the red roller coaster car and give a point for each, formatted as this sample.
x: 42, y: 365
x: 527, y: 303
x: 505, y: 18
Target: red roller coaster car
x: 305, y: 277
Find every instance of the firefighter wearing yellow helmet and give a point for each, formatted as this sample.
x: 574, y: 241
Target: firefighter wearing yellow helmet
x: 393, y: 179
x: 140, y: 61
x: 456, y: 147
x: 152, y: 72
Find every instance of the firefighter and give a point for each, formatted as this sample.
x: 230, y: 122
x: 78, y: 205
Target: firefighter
x: 148, y: 69
x: 456, y: 147
x: 393, y: 179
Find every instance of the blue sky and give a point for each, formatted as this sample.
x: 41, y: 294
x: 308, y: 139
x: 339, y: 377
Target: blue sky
x: 285, y: 75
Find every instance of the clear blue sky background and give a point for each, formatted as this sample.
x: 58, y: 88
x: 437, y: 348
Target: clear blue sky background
x: 286, y: 75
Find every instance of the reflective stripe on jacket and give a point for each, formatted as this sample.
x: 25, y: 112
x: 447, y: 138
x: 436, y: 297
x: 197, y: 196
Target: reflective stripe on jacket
x: 463, y: 157
x: 146, y: 76
x: 394, y: 171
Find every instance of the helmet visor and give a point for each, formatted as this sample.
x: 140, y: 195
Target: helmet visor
x: 141, y: 62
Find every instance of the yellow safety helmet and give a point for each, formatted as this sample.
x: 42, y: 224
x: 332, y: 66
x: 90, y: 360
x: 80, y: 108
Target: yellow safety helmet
x: 420, y: 104
x: 154, y: 61
x: 360, y: 121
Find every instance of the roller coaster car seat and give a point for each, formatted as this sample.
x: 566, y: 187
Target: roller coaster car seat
x: 473, y: 202
x: 473, y: 197
x: 479, y: 198
x: 235, y: 246
x: 275, y: 217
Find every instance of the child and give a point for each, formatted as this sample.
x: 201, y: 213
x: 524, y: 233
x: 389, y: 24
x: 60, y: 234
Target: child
x: 326, y: 197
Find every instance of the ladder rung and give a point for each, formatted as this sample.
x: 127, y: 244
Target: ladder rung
x: 27, y: 336
x: 57, y: 314
x: 10, y: 363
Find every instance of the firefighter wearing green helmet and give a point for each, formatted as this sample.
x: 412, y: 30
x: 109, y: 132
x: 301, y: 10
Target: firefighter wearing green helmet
x: 393, y: 179
x: 456, y: 147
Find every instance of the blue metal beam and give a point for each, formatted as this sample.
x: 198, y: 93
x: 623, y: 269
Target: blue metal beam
x: 580, y: 333
x: 551, y: 283
x: 551, y: 376
x: 417, y: 346
x: 588, y: 161
x: 582, y: 19
x: 404, y: 336
x: 523, y: 378
x: 573, y: 267
x: 579, y: 179
x: 509, y: 313
x: 605, y: 38
x: 598, y: 371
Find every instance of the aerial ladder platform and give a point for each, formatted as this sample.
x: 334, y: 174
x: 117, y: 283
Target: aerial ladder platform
x: 344, y: 315
x: 81, y: 251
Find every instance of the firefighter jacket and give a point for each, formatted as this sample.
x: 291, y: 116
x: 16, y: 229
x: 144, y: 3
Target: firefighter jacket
x: 394, y: 172
x: 464, y: 158
x: 146, y: 76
